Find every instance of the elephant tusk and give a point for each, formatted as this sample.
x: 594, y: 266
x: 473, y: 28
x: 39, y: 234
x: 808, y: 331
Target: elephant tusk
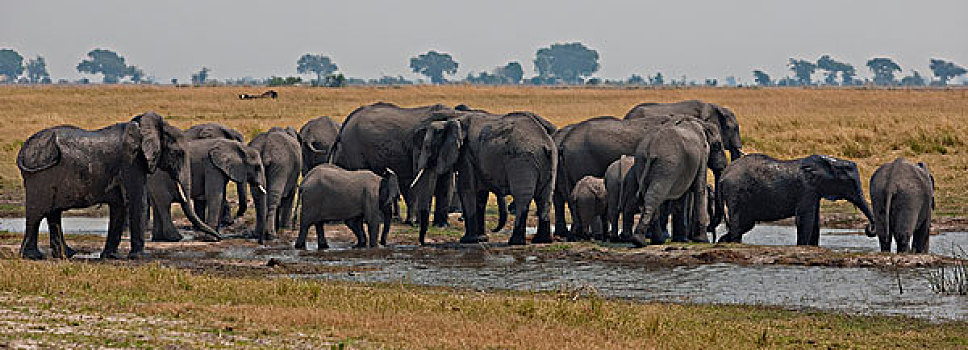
x: 181, y: 193
x: 419, y: 174
x: 262, y: 189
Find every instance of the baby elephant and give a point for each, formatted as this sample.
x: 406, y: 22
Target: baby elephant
x: 591, y: 204
x: 902, y: 196
x: 330, y: 193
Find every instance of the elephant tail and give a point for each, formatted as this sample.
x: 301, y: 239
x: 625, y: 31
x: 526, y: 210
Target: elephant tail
x: 502, y: 213
x: 887, y: 214
x: 720, y: 212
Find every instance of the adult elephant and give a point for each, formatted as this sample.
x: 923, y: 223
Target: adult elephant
x: 759, y: 188
x: 670, y: 170
x: 902, y: 195
x: 510, y: 154
x: 213, y: 163
x: 722, y: 117
x: 589, y: 147
x: 66, y: 167
x: 380, y: 136
x: 280, y: 152
x: 316, y: 138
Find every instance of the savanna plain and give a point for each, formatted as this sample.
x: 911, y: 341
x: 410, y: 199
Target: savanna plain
x: 157, y: 303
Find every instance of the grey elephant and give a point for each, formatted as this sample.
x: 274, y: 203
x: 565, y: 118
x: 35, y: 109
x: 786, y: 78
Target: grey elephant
x: 759, y: 188
x: 316, y: 138
x: 279, y: 151
x: 589, y: 147
x: 67, y: 167
x: 591, y: 204
x: 219, y: 131
x: 902, y: 196
x: 614, y: 178
x: 670, y: 169
x: 507, y: 154
x: 330, y: 193
x: 380, y: 136
x: 720, y: 116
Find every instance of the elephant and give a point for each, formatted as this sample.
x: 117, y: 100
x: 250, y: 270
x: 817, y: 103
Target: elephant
x: 505, y: 154
x: 279, y: 150
x: 590, y: 198
x: 316, y: 138
x: 722, y: 117
x: 759, y: 188
x: 614, y: 178
x: 380, y: 136
x: 219, y: 131
x: 670, y: 170
x: 902, y: 196
x: 589, y: 147
x: 66, y: 167
x: 329, y: 193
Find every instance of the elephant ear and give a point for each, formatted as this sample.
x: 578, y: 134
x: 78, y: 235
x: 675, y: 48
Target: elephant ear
x: 229, y: 159
x: 817, y: 169
x: 389, y: 188
x: 149, y: 126
x: 39, y: 152
x: 450, y: 146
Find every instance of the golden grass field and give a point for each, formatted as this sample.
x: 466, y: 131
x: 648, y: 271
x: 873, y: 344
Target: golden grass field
x: 869, y: 126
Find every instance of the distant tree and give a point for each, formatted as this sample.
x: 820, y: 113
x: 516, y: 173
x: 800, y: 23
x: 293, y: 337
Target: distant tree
x: 657, y: 79
x: 915, y: 79
x: 315, y: 64
x: 711, y: 82
x: 832, y: 68
x: 511, y: 73
x: 136, y: 74
x: 484, y: 78
x: 945, y: 70
x: 201, y: 76
x: 731, y: 81
x: 278, y: 81
x: 108, y: 63
x: 883, y: 69
x: 11, y: 65
x: 37, y: 71
x: 761, y: 78
x: 636, y: 79
x: 335, y: 80
x: 847, y: 75
x: 569, y: 62
x: 174, y: 81
x: 802, y: 69
x: 388, y: 80
x: 434, y: 65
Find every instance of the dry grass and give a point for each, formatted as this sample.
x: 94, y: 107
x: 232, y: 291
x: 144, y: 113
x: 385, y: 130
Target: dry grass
x: 871, y: 127
x: 278, y: 312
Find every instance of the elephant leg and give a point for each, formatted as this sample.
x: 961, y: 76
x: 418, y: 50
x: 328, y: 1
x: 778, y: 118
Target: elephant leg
x: 738, y: 224
x: 815, y: 234
x: 304, y: 225
x: 162, y: 228
x: 524, y: 190
x: 373, y: 230
x: 699, y: 212
x: 58, y: 245
x: 520, y: 221
x: 408, y: 201
x: 356, y: 225
x: 118, y: 213
x: 474, y: 216
x: 226, y: 216
x: 903, y: 231
x: 28, y: 248
x: 677, y: 211
x: 213, y: 199
x: 321, y: 237
x: 200, y: 209
x: 561, y: 225
x: 920, y: 242
x: 543, y: 211
x: 137, y: 200
x: 442, y: 200
x: 285, y: 211
x: 806, y: 220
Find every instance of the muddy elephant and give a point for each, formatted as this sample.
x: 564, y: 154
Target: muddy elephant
x: 279, y: 150
x: 591, y: 205
x: 219, y: 131
x: 67, y: 167
x: 902, y: 197
x: 507, y: 154
x: 356, y: 197
x: 669, y: 170
x: 215, y: 162
x: 760, y: 188
x: 589, y: 147
x: 614, y: 178
x: 380, y: 136
x: 722, y: 117
x: 316, y: 138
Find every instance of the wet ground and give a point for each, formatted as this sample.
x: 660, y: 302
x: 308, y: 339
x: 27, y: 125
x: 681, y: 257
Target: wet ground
x: 844, y: 274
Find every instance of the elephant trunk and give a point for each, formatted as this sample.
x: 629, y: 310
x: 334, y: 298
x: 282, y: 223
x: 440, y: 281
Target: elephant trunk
x: 188, y: 208
x: 859, y: 201
x: 736, y: 153
x: 259, y: 196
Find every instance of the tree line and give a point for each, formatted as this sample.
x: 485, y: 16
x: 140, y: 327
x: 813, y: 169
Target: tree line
x: 557, y: 64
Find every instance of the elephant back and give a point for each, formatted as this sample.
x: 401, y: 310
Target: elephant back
x: 39, y: 152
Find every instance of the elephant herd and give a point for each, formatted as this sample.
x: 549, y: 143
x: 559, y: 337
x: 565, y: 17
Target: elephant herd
x: 652, y: 163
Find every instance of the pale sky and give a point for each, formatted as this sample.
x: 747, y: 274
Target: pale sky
x: 368, y: 39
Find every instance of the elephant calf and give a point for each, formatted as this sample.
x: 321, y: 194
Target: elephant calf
x: 330, y: 193
x: 614, y: 176
x: 589, y: 197
x: 902, y: 196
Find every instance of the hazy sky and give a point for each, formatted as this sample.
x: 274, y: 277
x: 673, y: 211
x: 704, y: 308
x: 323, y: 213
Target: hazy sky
x: 371, y: 38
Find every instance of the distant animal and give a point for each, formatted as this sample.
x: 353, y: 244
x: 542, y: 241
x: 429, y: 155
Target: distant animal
x: 902, y: 197
x: 267, y: 94
x: 330, y: 193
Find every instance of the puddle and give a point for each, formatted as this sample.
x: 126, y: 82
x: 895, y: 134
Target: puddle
x: 75, y: 225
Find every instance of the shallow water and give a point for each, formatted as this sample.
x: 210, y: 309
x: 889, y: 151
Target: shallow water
x: 76, y: 225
